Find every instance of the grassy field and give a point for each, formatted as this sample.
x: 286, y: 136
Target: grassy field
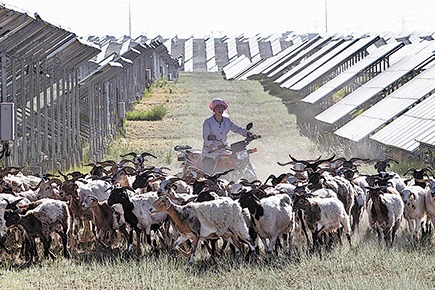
x: 364, y: 265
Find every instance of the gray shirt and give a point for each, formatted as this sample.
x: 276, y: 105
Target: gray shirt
x: 220, y: 130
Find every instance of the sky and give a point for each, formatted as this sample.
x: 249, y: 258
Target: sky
x: 185, y: 18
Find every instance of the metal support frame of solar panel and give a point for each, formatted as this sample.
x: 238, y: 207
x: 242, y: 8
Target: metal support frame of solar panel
x: 242, y: 75
x: 340, y: 81
x: 271, y: 61
x: 301, y: 62
x: 301, y: 56
x: 39, y: 56
x: 389, y: 107
x: 188, y: 54
x: 254, y: 61
x: 254, y: 49
x: 210, y: 55
x: 295, y: 51
x: 428, y: 141
x: 402, y: 63
x: 347, y: 57
x: 415, y: 124
x: 266, y: 63
x: 318, y: 63
x: 237, y: 65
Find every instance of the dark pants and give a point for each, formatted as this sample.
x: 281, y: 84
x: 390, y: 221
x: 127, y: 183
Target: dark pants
x: 208, y: 165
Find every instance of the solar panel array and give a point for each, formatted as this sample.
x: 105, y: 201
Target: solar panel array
x: 66, y: 91
x: 388, y: 83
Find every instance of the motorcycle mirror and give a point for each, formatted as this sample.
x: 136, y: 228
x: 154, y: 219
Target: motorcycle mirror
x: 211, y: 137
x: 249, y: 126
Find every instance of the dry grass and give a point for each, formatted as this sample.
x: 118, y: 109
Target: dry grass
x: 365, y: 265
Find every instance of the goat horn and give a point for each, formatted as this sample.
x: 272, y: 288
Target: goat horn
x: 63, y: 175
x: 129, y: 154
x: 148, y: 154
x: 284, y: 164
x: 56, y: 181
x: 412, y: 169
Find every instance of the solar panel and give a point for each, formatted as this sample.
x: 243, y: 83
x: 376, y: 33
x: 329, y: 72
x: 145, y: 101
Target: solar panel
x: 375, y: 86
x: 317, y: 64
x: 429, y: 139
x: 405, y: 131
x: 334, y: 62
x: 236, y: 66
x: 389, y: 107
x: 307, y: 61
x: 267, y: 63
x: 338, y: 82
x: 291, y: 54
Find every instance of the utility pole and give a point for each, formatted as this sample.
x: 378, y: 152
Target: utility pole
x: 129, y: 20
x: 326, y: 16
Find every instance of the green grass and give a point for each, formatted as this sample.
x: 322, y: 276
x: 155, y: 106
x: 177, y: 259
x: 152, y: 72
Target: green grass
x: 154, y: 114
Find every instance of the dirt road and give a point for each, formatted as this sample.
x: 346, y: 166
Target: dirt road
x: 187, y: 103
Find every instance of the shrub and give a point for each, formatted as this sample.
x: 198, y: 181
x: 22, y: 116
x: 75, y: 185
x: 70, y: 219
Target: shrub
x: 154, y: 114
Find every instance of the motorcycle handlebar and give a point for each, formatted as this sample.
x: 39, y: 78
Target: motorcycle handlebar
x: 182, y: 147
x: 252, y: 137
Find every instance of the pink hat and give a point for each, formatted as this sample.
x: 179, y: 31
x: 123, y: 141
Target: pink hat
x: 216, y: 102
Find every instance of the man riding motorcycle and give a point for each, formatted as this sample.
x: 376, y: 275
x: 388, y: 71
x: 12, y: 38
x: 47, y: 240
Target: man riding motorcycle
x: 214, y: 132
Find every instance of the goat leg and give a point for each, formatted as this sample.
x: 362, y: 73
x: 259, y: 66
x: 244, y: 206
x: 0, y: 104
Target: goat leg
x: 181, y: 239
x: 2, y: 245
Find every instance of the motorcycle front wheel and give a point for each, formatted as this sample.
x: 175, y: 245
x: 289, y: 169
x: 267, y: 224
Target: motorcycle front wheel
x: 248, y: 173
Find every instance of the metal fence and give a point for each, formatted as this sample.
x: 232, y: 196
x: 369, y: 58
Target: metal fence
x: 67, y: 94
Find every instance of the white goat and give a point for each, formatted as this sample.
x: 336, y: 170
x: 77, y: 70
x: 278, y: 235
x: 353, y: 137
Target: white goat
x: 136, y: 213
x: 415, y: 209
x: 272, y: 216
x: 204, y: 220
x: 430, y: 203
x: 323, y: 215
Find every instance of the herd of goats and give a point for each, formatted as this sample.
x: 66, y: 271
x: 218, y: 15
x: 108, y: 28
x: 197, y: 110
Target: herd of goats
x: 118, y: 205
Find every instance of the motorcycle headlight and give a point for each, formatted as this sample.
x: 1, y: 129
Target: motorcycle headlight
x: 242, y: 155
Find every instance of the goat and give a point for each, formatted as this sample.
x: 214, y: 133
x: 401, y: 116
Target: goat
x: 272, y: 217
x: 47, y: 216
x: 137, y: 215
x: 418, y: 176
x: 8, y: 201
x: 322, y: 215
x: 204, y: 220
x: 385, y: 212
x: 415, y: 209
x: 104, y: 220
x: 429, y: 201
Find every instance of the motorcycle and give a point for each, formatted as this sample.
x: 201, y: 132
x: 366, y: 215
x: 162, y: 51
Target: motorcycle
x: 233, y: 160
